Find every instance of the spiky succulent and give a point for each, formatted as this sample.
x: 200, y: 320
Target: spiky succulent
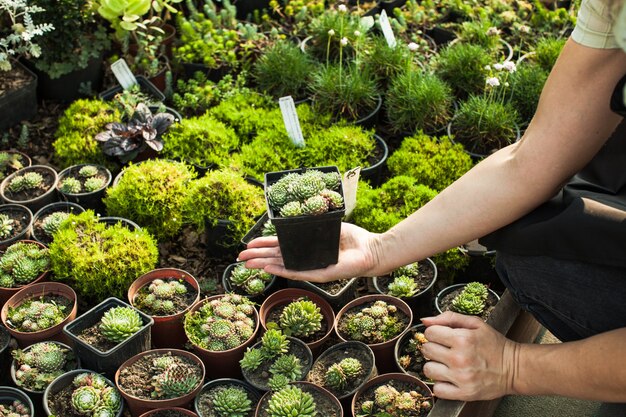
x: 301, y: 318
x: 375, y: 324
x: 21, y: 263
x: 28, y: 181
x: 278, y: 382
x: 15, y: 409
x: 310, y: 193
x: 159, y: 297
x: 88, y: 171
x: 268, y: 229
x: 93, y: 184
x: 315, y: 205
x: 221, y: 324
x: 403, y: 287
x: 6, y: 226
x: 35, y: 315
x: 333, y: 199
x: 252, y: 359
x: 307, y: 185
x: 174, y: 382
x: 288, y: 366
x: 70, y: 185
x: 52, y: 222
x: 291, y: 401
x: 291, y: 209
x: 338, y: 374
x: 40, y: 364
x: 94, y: 397
x: 231, y: 402
x: 274, y: 343
x: 85, y: 400
x: 252, y: 281
x: 477, y: 289
x: 472, y: 300
x: 119, y: 323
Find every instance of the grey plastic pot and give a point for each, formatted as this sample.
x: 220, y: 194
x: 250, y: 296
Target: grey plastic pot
x: 10, y: 394
x: 253, y: 394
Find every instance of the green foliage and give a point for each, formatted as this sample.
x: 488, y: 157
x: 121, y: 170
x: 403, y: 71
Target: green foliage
x: 527, y: 82
x: 403, y: 287
x: 74, y: 139
x: 283, y: 70
x: 434, y: 162
x: 462, y: 66
x: 274, y: 343
x: 93, y: 396
x: 94, y: 184
x: 252, y: 359
x: 547, y: 51
x: 153, y: 194
x: 287, y: 365
x: 291, y: 401
x: 38, y: 366
x: 245, y: 112
x: 338, y: 374
x: 22, y: 263
x: 327, y: 31
x: 482, y: 32
x: 201, y: 140
x: 301, y: 318
x: 198, y: 94
x: 231, y: 401
x: 70, y: 185
x: 377, y: 323
x: 418, y: 100
x: 386, y: 62
x: 88, y: 171
x: 9, y: 162
x: 471, y: 300
x: 100, y: 261
x: 251, y: 281
x: 119, y: 323
x: 35, y: 315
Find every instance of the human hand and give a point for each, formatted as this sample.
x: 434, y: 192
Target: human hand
x: 468, y: 359
x: 356, y: 257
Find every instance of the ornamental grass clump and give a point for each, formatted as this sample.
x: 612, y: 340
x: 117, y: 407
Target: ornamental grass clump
x: 35, y: 315
x: 119, y: 323
x: 393, y: 402
x: 462, y: 66
x: 291, y: 401
x: 249, y: 280
x: 221, y: 324
x: 547, y: 51
x: 376, y: 323
x: 22, y: 263
x: 471, y: 300
x: 92, y: 396
x: 301, y: 318
x: 15, y: 409
x: 340, y: 373
x: 335, y: 35
x: 527, y: 82
x: 39, y: 365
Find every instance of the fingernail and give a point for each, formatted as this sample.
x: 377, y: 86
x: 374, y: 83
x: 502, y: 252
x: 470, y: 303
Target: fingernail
x: 237, y: 260
x: 426, y: 318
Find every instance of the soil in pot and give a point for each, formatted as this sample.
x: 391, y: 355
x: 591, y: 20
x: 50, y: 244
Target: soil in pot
x: 32, y: 193
x: 247, y: 400
x: 445, y: 302
x: 408, y: 354
x: 148, y: 300
x: 419, y: 399
x: 273, y: 319
x: 333, y: 287
x: 15, y: 224
x: 325, y: 403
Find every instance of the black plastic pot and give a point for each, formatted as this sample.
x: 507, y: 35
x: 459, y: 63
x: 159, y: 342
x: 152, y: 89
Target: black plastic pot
x: 111, y: 221
x: 20, y: 104
x: 108, y: 362
x: 438, y: 305
x: 481, y: 267
x: 389, y: 5
x: 28, y: 218
x: 219, y: 239
x: 369, y: 121
x: 374, y: 173
x: 63, y: 206
x: 307, y: 242
x: 66, y: 87
x: 256, y: 230
x: 145, y: 85
x: 253, y: 394
x: 270, y: 287
x: 4, y: 356
x: 10, y: 394
x: 88, y: 200
x: 35, y: 203
x: 441, y: 36
x: 336, y: 301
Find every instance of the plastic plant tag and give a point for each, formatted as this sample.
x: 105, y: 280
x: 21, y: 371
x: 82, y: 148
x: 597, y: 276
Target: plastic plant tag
x: 290, y: 118
x: 386, y: 28
x: 350, y: 185
x: 123, y: 74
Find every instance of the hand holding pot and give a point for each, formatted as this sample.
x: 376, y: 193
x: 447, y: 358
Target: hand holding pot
x: 356, y: 257
x: 468, y: 359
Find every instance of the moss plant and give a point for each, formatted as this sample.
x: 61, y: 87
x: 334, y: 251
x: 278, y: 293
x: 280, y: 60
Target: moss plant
x: 100, y: 261
x: 528, y: 82
x: 462, y: 66
x: 345, y: 146
x: 270, y: 150
x: 201, y: 140
x: 245, y: 112
x: 83, y: 119
x: 434, y: 162
x: 153, y: 195
x: 224, y: 195
x: 547, y: 51
x: 418, y: 101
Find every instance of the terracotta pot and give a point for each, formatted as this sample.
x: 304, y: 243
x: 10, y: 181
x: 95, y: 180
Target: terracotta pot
x: 180, y: 410
x: 286, y: 296
x: 167, y: 331
x: 36, y: 203
x: 27, y: 217
x: 9, y: 394
x: 419, y: 385
x: 322, y: 395
x: 223, y: 364
x: 25, y: 339
x: 140, y: 406
x: 253, y: 394
x: 383, y: 351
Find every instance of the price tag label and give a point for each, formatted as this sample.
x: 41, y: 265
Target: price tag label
x: 290, y: 118
x: 350, y: 185
x: 123, y: 74
x: 386, y: 28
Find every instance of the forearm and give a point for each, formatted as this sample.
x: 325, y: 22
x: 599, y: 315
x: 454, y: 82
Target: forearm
x: 591, y: 369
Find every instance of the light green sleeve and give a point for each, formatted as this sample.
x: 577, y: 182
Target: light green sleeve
x: 594, y: 25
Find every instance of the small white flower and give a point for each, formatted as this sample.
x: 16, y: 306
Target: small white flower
x: 506, y: 84
x: 510, y: 66
x: 413, y: 47
x: 488, y: 67
x: 492, y: 82
x: 357, y: 33
x: 344, y: 41
x: 524, y: 29
x: 493, y: 31
x: 342, y: 8
x: 498, y: 67
x: 331, y: 32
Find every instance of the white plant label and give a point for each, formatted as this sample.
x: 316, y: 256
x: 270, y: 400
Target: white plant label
x: 350, y: 185
x: 290, y: 118
x: 386, y: 28
x: 123, y: 74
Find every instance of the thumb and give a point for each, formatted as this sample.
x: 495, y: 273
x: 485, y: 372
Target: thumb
x: 453, y: 320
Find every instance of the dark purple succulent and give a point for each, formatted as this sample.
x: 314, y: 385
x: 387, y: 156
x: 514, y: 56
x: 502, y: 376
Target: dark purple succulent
x: 126, y: 140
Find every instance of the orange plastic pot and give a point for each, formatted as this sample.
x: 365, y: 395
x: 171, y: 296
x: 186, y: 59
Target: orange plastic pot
x: 167, y: 331
x: 139, y: 406
x: 40, y: 289
x: 180, y: 410
x: 6, y: 293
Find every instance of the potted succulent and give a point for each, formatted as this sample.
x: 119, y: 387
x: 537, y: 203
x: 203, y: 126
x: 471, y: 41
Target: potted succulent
x: 300, y: 399
x: 376, y: 320
x: 14, y: 402
x: 413, y: 283
x: 84, y: 184
x: 48, y: 220
x: 300, y: 314
x: 226, y: 397
x: 24, y: 252
x: 36, y: 366
x: 306, y: 206
x: 39, y: 312
x: 220, y: 328
x: 343, y: 368
x: 11, y: 161
x: 160, y: 378
x: 108, y: 334
x: 473, y: 299
x: 165, y: 294
x: 395, y: 395
x: 408, y: 353
x: 82, y: 392
x: 31, y: 186
x: 15, y: 223
x: 253, y: 283
x: 276, y: 361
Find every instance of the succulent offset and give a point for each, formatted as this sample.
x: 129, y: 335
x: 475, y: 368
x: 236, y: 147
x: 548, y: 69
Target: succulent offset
x: 172, y: 378
x: 34, y: 315
x: 231, y: 401
x: 119, y: 323
x: 472, y: 300
x: 40, y: 365
x: 403, y: 284
x: 251, y: 281
x: 22, y: 263
x: 268, y: 229
x: 70, y: 185
x: 291, y: 401
x: 15, y: 409
x: 93, y: 184
x: 28, y: 181
x: 301, y: 318
x: 94, y: 397
x: 394, y: 403
x: 52, y: 222
x: 160, y: 296
x: 338, y: 374
x: 88, y: 171
x: 374, y: 324
x: 310, y: 193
